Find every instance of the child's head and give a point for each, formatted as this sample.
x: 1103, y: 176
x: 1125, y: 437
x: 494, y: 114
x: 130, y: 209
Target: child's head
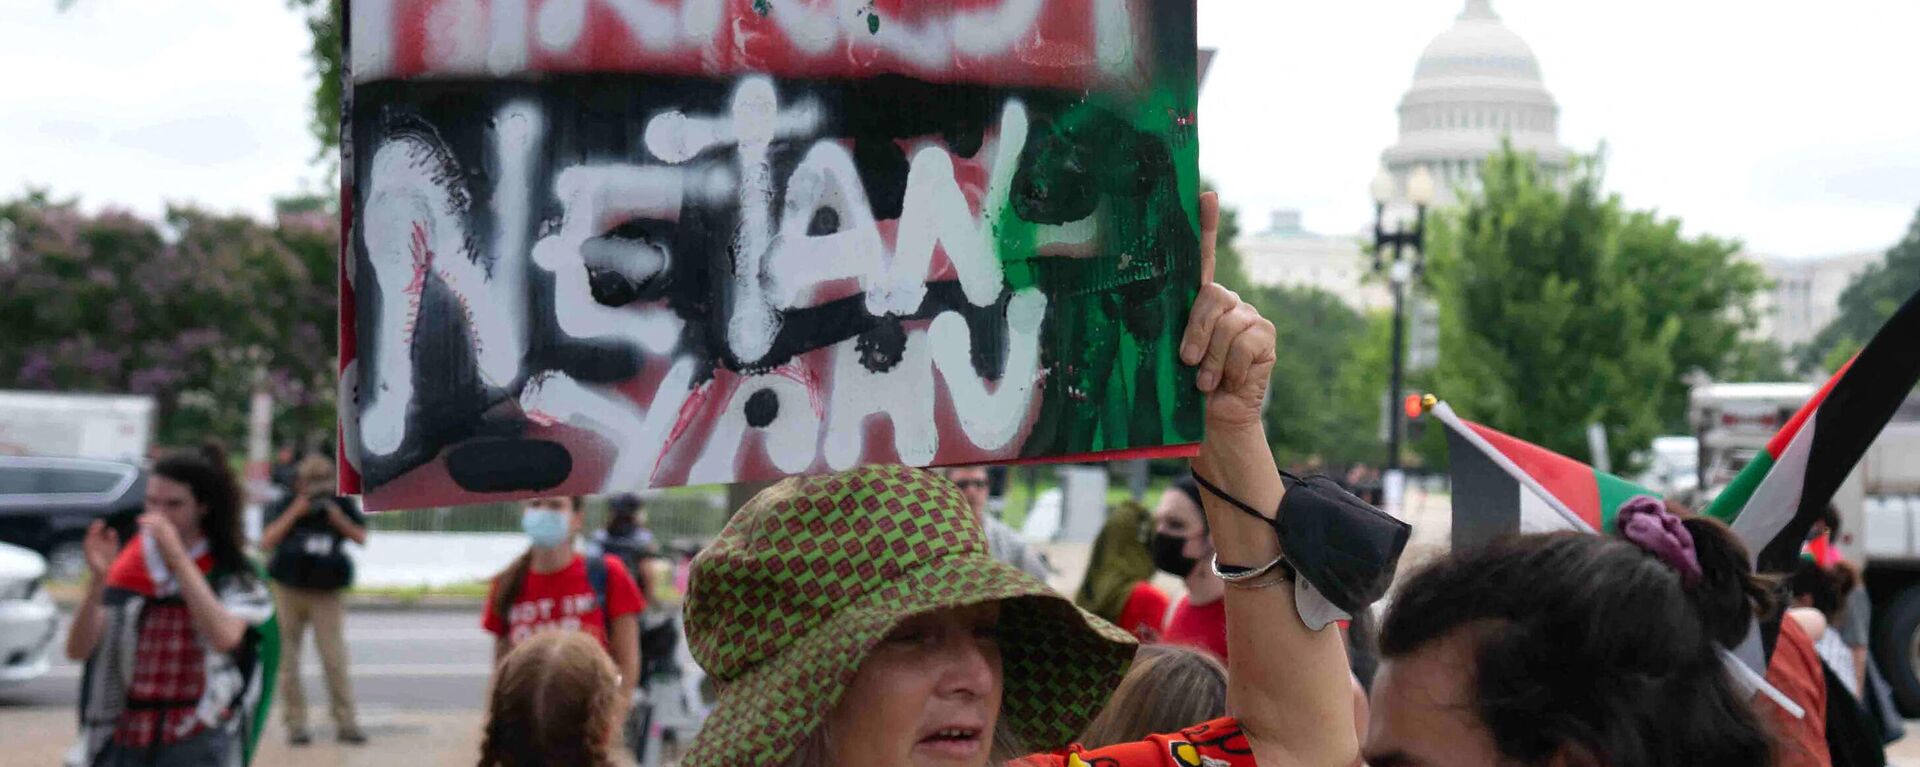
x: 1168, y: 688
x: 555, y: 701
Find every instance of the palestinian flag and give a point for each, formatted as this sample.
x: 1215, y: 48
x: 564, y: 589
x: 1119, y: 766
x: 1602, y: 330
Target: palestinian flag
x: 1504, y: 485
x: 1776, y: 499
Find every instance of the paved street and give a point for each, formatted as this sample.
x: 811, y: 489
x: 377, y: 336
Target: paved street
x: 401, y: 659
x: 420, y: 677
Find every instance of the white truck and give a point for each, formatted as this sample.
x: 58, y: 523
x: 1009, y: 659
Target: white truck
x: 100, y: 426
x: 1879, y: 505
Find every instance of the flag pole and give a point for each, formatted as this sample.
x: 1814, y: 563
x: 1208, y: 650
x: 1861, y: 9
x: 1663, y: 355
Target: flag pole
x: 1445, y: 414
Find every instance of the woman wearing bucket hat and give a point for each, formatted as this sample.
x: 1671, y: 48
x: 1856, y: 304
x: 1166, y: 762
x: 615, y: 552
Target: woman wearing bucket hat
x: 857, y: 618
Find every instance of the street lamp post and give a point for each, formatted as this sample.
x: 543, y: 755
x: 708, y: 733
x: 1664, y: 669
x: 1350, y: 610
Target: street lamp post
x: 1399, y: 273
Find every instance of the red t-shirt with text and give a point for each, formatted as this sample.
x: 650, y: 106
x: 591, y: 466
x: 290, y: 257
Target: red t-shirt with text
x: 1202, y: 626
x: 564, y: 600
x: 1218, y: 743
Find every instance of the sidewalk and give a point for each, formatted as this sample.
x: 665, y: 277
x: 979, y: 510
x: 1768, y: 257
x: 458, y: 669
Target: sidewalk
x: 41, y: 736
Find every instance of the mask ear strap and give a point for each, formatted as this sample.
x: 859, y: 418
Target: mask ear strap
x: 1287, y: 479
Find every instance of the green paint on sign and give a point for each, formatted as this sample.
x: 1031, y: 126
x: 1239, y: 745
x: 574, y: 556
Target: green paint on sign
x: 873, y: 22
x: 762, y: 7
x: 1112, y: 378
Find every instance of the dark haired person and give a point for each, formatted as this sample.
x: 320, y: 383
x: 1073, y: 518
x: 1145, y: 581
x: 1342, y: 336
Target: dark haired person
x: 1556, y: 649
x: 1182, y: 547
x: 1729, y: 597
x: 626, y: 537
x: 553, y: 587
x: 307, y: 534
x: 1852, y: 623
x: 172, y: 627
x: 1824, y: 589
x: 1854, y: 733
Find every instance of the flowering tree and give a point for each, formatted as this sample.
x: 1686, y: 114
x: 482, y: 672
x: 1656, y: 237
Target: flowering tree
x: 193, y: 310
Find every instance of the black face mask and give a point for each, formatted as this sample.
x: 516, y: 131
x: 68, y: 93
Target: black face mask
x: 1167, y: 557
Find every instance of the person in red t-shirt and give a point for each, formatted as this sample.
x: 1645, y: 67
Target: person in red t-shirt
x: 548, y: 588
x: 1145, y: 613
x: 1180, y: 546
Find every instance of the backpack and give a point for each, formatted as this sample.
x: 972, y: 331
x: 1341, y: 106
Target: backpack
x: 597, y: 578
x: 658, y: 637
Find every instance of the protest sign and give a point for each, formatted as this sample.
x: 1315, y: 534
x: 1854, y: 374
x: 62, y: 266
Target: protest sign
x: 604, y: 245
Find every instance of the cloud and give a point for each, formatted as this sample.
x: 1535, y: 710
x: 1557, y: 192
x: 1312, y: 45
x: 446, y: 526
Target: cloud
x: 1873, y: 173
x: 195, y: 140
x: 136, y: 104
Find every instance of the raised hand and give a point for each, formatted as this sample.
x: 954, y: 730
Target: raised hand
x: 102, y: 544
x: 160, y: 531
x: 1227, y: 338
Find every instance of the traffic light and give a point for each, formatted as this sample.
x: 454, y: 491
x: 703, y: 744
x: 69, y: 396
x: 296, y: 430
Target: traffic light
x: 1415, y: 407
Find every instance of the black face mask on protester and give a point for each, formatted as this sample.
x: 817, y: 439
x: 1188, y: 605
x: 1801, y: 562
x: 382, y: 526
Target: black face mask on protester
x: 1167, y: 557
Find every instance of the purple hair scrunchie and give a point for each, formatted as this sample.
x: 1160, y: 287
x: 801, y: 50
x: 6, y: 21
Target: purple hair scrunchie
x: 1646, y: 523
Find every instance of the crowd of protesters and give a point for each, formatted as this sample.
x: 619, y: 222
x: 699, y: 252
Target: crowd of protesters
x: 881, y: 616
x: 1565, y: 648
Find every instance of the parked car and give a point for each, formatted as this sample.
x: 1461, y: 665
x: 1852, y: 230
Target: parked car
x: 47, y: 503
x: 28, y: 617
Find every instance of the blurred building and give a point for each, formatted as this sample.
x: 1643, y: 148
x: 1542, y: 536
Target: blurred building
x: 1806, y: 294
x: 1475, y: 85
x: 1286, y: 254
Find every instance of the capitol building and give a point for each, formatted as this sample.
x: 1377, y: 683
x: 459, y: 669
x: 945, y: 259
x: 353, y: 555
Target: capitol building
x: 1476, y: 84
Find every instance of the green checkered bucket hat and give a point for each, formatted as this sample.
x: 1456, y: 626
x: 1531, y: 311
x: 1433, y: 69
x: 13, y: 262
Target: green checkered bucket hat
x: 813, y: 572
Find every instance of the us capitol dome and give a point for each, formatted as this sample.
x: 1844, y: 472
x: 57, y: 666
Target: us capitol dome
x: 1475, y: 84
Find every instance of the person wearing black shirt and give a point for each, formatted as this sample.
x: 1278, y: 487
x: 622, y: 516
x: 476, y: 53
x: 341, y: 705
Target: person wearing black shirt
x: 307, y: 534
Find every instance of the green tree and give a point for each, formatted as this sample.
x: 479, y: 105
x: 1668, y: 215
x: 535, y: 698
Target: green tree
x: 189, y: 313
x: 1559, y: 308
x: 1866, y: 304
x: 1324, y: 401
x: 324, y: 26
x: 1700, y: 286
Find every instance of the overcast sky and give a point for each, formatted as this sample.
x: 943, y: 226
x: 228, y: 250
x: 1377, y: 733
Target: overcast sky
x: 1794, y: 126
x: 133, y: 103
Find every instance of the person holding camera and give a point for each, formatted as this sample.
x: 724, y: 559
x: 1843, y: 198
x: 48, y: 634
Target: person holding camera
x: 309, y: 567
